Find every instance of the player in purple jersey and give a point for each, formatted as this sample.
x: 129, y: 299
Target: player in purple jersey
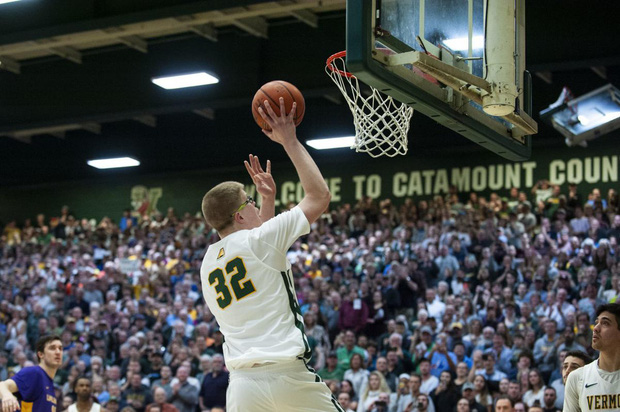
x: 34, y: 385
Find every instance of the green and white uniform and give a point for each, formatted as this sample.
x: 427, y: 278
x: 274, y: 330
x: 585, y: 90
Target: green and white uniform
x: 592, y: 389
x: 248, y: 286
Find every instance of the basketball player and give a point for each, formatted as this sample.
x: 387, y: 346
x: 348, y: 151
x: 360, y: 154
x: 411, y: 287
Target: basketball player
x: 248, y: 286
x: 35, y: 384
x: 574, y: 360
x: 596, y: 386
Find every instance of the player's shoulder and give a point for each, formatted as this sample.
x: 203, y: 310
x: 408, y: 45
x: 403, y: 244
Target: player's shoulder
x: 30, y: 371
x: 576, y: 377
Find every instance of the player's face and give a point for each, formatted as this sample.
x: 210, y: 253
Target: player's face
x: 250, y: 212
x: 52, y: 354
x: 82, y: 387
x: 606, y: 332
x: 570, y: 364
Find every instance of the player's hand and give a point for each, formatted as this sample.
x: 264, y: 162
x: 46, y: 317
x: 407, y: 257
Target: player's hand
x: 263, y: 180
x: 10, y: 403
x: 283, y: 126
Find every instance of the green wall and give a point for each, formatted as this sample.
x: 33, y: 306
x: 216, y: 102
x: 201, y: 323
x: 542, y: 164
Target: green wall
x: 396, y: 178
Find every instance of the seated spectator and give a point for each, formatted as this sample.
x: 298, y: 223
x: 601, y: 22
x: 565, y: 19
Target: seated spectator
x: 332, y: 370
x: 483, y: 393
x: 159, y: 401
x: 469, y: 393
x: 356, y: 374
x: 535, y: 390
x: 344, y: 400
x: 348, y: 349
x: 214, y: 385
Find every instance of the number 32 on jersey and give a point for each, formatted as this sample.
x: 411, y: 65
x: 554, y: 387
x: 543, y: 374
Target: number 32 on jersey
x: 241, y: 288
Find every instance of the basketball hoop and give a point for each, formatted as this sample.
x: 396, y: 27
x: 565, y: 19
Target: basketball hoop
x: 381, y: 123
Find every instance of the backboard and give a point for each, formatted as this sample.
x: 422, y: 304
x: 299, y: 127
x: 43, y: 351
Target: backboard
x: 460, y: 62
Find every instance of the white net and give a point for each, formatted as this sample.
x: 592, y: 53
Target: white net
x: 381, y: 123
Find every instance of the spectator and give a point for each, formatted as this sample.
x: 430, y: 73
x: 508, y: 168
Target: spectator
x: 159, y: 401
x: 344, y: 399
x: 331, y: 371
x: 353, y: 313
x: 445, y: 394
x: 550, y: 399
x: 483, y: 393
x: 469, y: 394
x: 545, y: 349
x: 356, y: 374
x: 536, y: 389
x: 429, y: 381
x: 371, y: 392
x: 346, y: 351
x: 136, y: 395
x: 441, y: 359
x: 184, y: 395
x: 214, y: 385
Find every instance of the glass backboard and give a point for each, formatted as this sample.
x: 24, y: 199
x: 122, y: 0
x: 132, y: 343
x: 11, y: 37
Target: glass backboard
x: 432, y: 55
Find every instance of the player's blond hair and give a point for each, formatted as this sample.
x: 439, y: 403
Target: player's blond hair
x: 219, y: 204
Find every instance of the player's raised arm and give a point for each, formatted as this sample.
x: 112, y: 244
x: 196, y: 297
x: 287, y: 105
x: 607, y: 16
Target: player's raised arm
x: 317, y: 196
x: 265, y: 186
x: 9, y: 401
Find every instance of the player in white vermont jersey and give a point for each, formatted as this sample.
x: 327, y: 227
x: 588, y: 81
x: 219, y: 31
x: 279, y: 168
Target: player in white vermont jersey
x: 248, y: 285
x: 596, y: 386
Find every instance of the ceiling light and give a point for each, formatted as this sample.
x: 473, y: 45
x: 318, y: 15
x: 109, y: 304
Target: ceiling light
x: 462, y: 43
x: 185, y: 80
x: 113, y: 163
x: 331, y: 143
x: 586, y: 117
x: 7, y: 1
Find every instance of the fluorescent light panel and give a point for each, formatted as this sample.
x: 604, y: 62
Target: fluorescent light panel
x: 462, y: 43
x: 331, y: 143
x: 185, y: 80
x: 7, y: 1
x: 113, y: 163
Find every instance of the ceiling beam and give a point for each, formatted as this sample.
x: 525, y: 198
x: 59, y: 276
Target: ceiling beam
x: 8, y: 64
x: 207, y: 113
x: 91, y: 127
x: 135, y: 42
x: 147, y: 119
x: 23, y: 139
x: 307, y: 17
x: 68, y: 53
x: 256, y: 26
x: 105, y: 36
x: 601, y: 71
x: 207, y: 31
x: 61, y: 134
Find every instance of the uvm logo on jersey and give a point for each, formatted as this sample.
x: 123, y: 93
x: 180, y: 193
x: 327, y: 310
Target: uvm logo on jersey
x: 606, y: 401
x: 221, y: 253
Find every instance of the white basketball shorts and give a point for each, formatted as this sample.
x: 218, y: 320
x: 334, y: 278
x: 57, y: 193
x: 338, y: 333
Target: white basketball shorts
x: 281, y: 387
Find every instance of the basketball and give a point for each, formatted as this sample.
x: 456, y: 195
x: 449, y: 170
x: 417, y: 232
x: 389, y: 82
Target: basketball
x: 272, y: 92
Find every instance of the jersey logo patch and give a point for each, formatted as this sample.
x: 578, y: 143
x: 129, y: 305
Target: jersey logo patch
x: 591, y: 384
x: 221, y: 253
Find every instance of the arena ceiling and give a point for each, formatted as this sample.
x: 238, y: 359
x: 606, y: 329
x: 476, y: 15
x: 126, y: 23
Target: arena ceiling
x: 75, y: 80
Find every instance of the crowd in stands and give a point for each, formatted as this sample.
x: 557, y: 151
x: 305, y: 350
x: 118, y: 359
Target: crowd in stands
x: 435, y: 305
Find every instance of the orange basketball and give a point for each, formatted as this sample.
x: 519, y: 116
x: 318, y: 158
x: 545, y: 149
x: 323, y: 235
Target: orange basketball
x: 272, y: 92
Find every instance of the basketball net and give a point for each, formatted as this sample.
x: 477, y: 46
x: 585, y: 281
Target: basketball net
x: 381, y: 123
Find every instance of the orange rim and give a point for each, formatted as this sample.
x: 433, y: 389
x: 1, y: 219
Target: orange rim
x: 330, y: 65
